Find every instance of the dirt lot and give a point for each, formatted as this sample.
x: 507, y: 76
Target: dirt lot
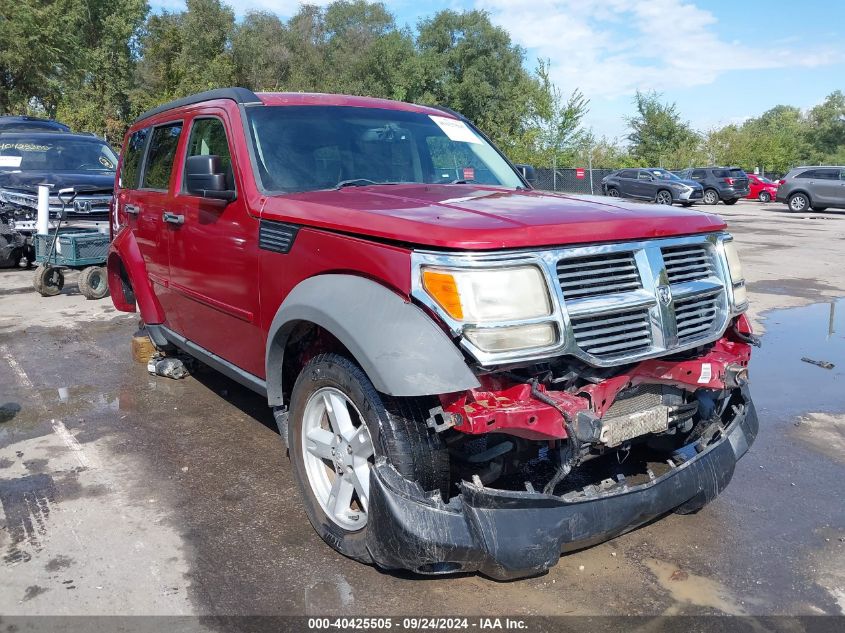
x: 128, y: 494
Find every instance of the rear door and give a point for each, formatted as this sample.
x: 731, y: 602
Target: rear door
x: 214, y: 254
x: 150, y: 200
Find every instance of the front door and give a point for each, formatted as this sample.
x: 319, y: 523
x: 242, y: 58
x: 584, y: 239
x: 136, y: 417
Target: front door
x: 214, y: 256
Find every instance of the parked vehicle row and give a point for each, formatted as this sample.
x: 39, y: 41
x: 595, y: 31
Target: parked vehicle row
x: 442, y: 345
x: 658, y: 185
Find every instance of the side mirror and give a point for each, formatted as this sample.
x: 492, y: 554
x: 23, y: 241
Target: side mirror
x: 528, y: 172
x: 205, y: 177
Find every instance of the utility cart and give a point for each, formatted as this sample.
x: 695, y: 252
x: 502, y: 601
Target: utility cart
x: 79, y: 248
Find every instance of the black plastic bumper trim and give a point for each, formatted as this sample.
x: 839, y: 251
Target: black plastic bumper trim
x: 512, y: 534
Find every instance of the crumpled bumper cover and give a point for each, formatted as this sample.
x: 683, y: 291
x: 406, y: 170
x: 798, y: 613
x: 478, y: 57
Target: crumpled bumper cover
x: 512, y: 534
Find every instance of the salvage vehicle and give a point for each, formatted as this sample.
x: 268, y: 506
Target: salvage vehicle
x: 62, y: 160
x: 761, y: 188
x: 655, y: 184
x: 469, y: 374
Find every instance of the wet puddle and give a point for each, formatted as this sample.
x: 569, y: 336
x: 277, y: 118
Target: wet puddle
x: 687, y: 588
x: 781, y: 382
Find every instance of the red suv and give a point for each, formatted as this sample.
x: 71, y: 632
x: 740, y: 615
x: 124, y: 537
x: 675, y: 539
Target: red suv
x: 469, y: 375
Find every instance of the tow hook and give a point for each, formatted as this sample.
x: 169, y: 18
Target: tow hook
x: 736, y: 376
x: 750, y: 339
x: 440, y: 420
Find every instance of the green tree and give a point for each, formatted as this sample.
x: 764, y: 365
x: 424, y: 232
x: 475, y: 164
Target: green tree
x: 471, y: 66
x: 826, y: 131
x: 261, y: 56
x: 96, y: 94
x: 157, y: 75
x: 659, y: 137
x: 205, y: 59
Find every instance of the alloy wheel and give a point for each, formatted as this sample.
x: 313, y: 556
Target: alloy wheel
x: 797, y: 203
x: 710, y: 197
x: 338, y: 451
x: 664, y: 197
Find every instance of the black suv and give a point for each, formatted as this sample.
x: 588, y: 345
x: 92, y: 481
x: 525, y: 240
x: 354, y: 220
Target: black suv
x: 727, y: 184
x: 659, y: 185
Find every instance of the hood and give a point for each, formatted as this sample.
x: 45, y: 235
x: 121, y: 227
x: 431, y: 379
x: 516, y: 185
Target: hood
x: 689, y: 183
x: 477, y: 217
x: 29, y: 180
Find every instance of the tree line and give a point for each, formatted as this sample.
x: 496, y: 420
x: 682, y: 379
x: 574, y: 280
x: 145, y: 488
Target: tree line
x: 97, y: 64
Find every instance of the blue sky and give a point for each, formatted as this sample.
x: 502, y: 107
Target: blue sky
x: 721, y: 60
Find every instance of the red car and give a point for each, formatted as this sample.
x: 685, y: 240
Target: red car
x: 761, y: 188
x: 470, y: 375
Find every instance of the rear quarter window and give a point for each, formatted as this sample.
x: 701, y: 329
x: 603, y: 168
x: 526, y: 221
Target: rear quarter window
x: 130, y: 169
x: 161, y: 155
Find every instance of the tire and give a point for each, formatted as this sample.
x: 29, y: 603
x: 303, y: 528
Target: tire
x: 711, y: 196
x: 93, y: 282
x: 686, y: 204
x: 798, y: 202
x: 764, y: 197
x: 730, y: 201
x: 48, y: 281
x: 17, y: 256
x: 394, y: 427
x: 819, y: 209
x: 613, y: 192
x: 663, y: 196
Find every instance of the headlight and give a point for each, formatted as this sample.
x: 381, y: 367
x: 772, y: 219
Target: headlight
x: 740, y: 296
x: 494, y: 304
x: 489, y: 295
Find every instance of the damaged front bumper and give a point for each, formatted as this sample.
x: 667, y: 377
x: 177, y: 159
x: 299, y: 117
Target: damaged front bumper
x: 513, y: 534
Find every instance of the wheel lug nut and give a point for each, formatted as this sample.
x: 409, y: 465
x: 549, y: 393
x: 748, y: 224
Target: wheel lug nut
x: 349, y: 449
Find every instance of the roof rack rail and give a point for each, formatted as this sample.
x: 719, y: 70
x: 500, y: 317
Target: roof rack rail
x: 238, y: 95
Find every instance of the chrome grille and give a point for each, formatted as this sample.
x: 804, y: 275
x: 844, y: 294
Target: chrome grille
x: 696, y: 316
x: 610, y: 335
x: 598, y: 275
x: 688, y: 263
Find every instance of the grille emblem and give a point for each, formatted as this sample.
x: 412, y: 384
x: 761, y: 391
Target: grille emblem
x: 82, y: 206
x: 664, y: 293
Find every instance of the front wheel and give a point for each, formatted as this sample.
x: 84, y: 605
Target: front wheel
x: 730, y: 201
x: 663, y: 197
x: 339, y: 425
x: 764, y: 197
x: 711, y: 196
x: 613, y: 192
x: 819, y: 209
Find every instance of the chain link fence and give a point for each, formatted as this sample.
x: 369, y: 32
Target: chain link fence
x: 571, y: 180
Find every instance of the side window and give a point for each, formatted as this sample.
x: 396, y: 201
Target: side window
x: 208, y: 138
x: 698, y: 174
x: 810, y: 173
x: 627, y: 173
x: 161, y: 155
x: 131, y: 167
x: 644, y: 175
x: 828, y: 174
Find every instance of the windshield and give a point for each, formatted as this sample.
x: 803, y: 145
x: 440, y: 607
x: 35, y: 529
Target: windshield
x: 21, y: 152
x: 662, y: 174
x: 307, y: 148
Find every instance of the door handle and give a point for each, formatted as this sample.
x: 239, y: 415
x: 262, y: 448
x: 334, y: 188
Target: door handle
x: 173, y: 218
x: 132, y: 208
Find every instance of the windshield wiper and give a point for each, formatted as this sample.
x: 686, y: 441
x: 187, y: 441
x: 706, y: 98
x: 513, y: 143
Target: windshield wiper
x: 360, y: 182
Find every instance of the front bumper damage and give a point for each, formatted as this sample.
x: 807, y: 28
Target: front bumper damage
x: 507, y: 534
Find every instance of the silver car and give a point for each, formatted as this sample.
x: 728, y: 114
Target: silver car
x: 815, y: 188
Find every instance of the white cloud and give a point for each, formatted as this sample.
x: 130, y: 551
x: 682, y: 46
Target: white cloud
x: 612, y: 48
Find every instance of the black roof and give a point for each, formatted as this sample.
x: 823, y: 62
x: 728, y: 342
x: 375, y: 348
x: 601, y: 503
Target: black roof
x: 238, y: 95
x: 57, y: 134
x: 25, y: 123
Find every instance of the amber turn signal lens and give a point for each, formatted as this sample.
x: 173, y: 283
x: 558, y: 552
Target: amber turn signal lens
x: 444, y: 290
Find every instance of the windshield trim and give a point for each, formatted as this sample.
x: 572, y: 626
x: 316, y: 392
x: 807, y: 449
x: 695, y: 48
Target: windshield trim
x: 253, y: 152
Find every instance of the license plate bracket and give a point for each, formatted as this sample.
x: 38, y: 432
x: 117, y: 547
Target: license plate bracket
x: 619, y: 429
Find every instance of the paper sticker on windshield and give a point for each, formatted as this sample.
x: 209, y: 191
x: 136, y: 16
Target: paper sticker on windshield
x: 10, y: 161
x: 456, y: 130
